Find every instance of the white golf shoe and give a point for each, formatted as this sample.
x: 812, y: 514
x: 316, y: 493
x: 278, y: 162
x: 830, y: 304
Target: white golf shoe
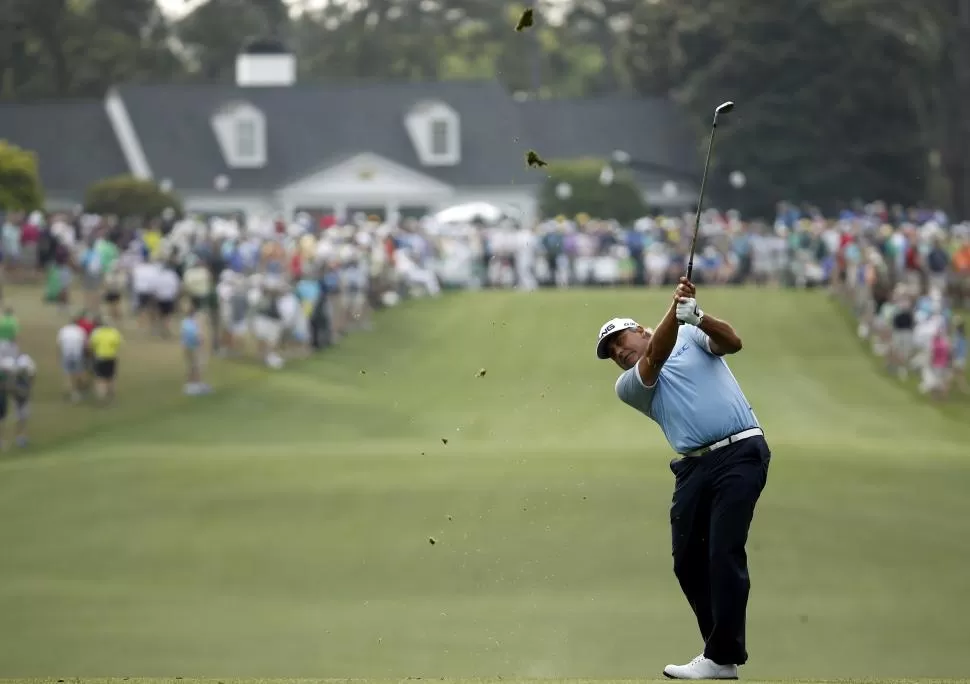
x: 701, y: 668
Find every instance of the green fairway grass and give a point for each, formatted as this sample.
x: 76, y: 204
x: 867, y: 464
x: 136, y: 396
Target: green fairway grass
x: 150, y: 375
x: 282, y: 526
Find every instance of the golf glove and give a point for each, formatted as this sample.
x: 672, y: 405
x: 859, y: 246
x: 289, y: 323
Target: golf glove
x: 688, y: 311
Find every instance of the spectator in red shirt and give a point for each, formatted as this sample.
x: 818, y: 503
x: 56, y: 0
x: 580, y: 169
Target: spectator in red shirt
x: 85, y: 321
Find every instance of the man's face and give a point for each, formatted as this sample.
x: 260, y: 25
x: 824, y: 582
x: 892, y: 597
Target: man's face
x: 628, y: 346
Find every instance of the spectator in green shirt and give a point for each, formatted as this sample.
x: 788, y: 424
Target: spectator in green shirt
x: 107, y: 252
x: 9, y: 329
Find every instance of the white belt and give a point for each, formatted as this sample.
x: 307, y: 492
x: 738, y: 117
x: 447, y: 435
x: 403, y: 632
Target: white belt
x: 744, y: 434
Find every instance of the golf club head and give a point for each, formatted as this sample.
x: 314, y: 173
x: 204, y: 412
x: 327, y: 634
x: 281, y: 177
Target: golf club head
x: 723, y: 108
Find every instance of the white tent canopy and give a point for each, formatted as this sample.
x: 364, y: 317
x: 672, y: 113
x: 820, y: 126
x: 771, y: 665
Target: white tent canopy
x: 466, y: 213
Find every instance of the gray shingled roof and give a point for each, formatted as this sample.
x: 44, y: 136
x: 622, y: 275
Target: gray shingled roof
x: 648, y: 129
x: 73, y: 140
x: 309, y: 124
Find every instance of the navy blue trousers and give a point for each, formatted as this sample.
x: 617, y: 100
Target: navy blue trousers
x: 713, y: 504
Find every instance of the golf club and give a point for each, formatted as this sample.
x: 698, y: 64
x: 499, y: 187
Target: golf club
x: 721, y: 109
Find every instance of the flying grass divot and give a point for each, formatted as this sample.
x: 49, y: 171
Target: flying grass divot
x: 534, y: 161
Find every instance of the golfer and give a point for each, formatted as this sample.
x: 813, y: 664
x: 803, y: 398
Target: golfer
x: 676, y: 376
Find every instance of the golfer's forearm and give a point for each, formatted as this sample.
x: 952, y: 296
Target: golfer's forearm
x: 723, y: 338
x: 664, y: 337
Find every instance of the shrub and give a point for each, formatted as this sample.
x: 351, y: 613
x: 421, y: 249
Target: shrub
x: 20, y: 188
x: 127, y: 196
x: 620, y: 199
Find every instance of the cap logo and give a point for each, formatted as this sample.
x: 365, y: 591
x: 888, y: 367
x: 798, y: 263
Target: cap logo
x: 607, y: 329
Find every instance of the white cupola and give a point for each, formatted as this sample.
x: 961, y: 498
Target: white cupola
x: 265, y: 62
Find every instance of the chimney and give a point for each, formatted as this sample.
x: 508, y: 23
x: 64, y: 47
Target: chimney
x: 265, y: 62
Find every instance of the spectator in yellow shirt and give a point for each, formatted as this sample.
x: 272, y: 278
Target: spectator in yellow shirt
x: 105, y: 342
x: 153, y: 241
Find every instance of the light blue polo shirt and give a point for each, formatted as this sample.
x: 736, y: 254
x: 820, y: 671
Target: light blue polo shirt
x: 696, y: 400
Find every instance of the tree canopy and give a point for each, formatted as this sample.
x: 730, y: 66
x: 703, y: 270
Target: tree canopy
x: 836, y: 99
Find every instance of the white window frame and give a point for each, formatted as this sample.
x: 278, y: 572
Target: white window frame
x: 241, y: 131
x: 422, y: 120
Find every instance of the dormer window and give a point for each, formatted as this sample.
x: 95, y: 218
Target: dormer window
x: 245, y: 138
x: 240, y: 129
x: 439, y: 138
x: 435, y: 131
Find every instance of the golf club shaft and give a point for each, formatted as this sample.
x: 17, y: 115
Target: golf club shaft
x: 700, y: 201
x: 725, y: 107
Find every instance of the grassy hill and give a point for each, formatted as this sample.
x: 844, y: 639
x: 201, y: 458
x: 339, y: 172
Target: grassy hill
x: 282, y: 526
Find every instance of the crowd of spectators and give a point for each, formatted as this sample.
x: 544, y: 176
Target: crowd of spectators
x: 906, y: 277
x: 235, y: 285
